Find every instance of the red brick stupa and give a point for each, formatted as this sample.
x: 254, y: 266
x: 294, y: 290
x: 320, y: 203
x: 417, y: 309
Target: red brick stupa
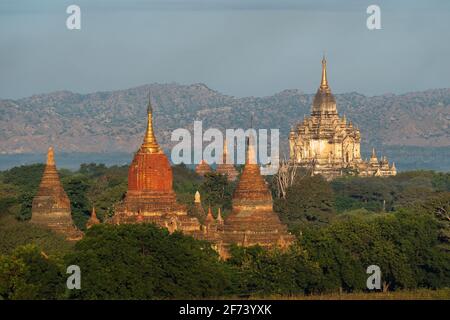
x: 203, y: 168
x: 51, y: 205
x: 150, y: 196
x: 252, y: 220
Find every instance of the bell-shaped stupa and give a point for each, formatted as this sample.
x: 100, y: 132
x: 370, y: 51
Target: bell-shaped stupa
x: 150, y: 196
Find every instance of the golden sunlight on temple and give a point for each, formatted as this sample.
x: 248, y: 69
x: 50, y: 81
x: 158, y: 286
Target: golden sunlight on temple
x: 328, y: 144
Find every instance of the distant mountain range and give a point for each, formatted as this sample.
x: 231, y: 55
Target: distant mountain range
x: 115, y: 121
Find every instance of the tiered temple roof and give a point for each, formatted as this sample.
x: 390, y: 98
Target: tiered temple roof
x: 252, y: 220
x: 51, y: 205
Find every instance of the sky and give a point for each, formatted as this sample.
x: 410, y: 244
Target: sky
x: 237, y: 47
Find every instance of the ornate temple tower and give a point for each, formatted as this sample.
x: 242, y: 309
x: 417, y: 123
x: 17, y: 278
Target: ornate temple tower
x: 252, y: 220
x: 150, y: 196
x: 51, y: 205
x: 226, y: 167
x: 326, y: 143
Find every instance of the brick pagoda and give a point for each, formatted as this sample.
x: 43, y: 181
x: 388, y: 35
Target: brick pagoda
x: 150, y: 196
x: 51, y: 205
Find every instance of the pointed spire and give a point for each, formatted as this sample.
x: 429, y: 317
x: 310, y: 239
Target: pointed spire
x: 324, y: 82
x: 251, y: 153
x: 373, y: 158
x: 197, y: 197
x: 93, y: 220
x: 150, y: 144
x: 50, y: 157
x: 209, y: 216
x: 393, y: 168
x: 219, y: 216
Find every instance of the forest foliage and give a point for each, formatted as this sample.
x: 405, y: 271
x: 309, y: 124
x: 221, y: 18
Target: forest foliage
x: 399, y: 223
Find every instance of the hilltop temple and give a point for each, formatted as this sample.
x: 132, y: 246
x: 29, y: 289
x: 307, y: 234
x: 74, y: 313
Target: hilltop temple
x: 150, y: 199
x: 51, y: 205
x: 328, y: 144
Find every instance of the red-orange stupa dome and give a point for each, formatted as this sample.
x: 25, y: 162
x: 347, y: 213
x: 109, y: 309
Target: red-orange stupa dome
x: 150, y: 196
x: 150, y: 169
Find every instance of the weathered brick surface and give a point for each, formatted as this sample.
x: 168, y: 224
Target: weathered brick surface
x: 51, y: 205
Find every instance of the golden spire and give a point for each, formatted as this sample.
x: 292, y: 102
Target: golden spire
x: 324, y: 82
x: 50, y: 157
x: 150, y: 144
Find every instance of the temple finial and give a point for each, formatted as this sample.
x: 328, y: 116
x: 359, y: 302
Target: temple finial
x: 324, y: 82
x: 150, y: 144
x: 393, y: 168
x: 50, y: 157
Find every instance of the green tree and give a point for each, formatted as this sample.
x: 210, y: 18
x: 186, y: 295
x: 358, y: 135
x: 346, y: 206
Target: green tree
x: 26, y: 202
x: 76, y: 187
x: 146, y: 262
x: 216, y: 191
x: 28, y: 273
x: 263, y: 272
x: 310, y: 200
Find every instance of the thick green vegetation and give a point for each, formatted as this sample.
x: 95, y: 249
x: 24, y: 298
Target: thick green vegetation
x: 399, y: 223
